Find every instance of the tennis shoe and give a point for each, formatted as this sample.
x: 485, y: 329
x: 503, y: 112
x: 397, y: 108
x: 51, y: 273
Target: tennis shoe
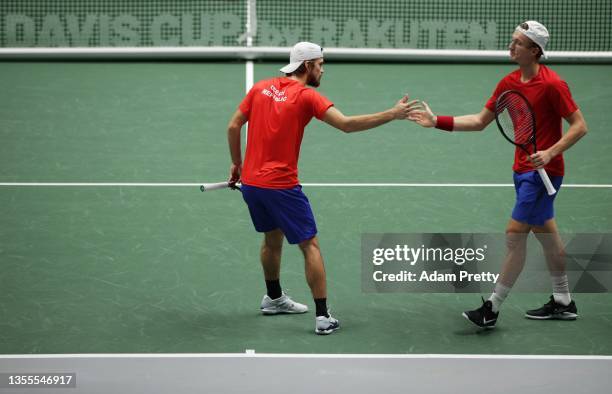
x: 325, y: 325
x: 283, y: 304
x: 553, y: 311
x: 483, y: 317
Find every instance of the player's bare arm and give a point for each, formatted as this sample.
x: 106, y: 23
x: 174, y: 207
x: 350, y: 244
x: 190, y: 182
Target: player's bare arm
x: 473, y: 122
x: 233, y: 138
x: 348, y: 124
x: 577, y: 130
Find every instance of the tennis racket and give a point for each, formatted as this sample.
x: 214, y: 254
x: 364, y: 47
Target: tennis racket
x: 516, y: 121
x: 207, y: 187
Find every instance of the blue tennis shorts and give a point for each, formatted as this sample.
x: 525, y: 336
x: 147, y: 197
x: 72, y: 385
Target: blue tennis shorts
x: 287, y: 209
x: 533, y: 205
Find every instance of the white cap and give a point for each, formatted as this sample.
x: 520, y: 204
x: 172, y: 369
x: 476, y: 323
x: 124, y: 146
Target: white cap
x: 536, y: 32
x: 301, y: 52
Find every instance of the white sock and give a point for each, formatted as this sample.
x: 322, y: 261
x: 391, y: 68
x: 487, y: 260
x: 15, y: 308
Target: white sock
x: 499, y: 296
x: 561, y: 292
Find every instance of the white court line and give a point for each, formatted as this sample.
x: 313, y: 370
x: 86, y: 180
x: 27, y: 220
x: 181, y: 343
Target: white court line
x: 142, y: 184
x: 98, y: 184
x: 440, y: 185
x: 308, y: 355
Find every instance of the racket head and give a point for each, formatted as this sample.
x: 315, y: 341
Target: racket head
x: 516, y: 120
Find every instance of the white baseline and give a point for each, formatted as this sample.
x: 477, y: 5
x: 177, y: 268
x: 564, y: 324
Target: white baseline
x: 388, y: 185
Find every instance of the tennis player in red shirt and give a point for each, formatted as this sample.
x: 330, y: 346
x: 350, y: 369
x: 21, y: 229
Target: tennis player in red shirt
x: 278, y: 110
x: 551, y: 101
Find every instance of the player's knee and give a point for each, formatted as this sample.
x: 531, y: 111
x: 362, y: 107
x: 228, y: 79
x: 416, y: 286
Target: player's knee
x: 515, y: 240
x: 311, y: 244
x: 514, y: 226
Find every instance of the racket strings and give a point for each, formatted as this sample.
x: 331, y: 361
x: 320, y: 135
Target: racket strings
x: 515, y: 115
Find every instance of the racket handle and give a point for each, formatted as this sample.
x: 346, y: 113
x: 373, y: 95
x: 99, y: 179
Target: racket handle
x: 550, y: 189
x: 207, y: 187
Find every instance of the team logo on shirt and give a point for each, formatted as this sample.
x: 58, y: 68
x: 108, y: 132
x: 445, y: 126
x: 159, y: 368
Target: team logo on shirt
x: 278, y: 96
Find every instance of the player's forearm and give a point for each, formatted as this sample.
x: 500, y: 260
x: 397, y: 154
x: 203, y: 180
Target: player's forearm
x: 574, y: 133
x: 233, y: 139
x: 365, y: 122
x: 468, y: 123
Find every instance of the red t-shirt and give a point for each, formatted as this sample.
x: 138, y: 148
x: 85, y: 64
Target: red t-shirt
x: 551, y: 101
x: 277, y: 109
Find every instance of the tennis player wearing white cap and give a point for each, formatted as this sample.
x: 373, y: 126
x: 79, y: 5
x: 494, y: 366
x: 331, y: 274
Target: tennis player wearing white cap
x: 551, y: 101
x: 278, y: 109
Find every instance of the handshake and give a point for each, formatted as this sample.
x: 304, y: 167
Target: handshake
x: 414, y: 110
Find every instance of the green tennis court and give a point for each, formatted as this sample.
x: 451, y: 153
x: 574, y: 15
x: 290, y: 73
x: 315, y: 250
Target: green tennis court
x: 167, y: 269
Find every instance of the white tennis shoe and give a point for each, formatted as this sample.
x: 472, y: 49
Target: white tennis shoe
x: 283, y: 304
x: 326, y: 325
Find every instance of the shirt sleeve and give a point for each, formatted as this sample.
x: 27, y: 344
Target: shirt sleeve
x: 561, y: 98
x: 499, y: 89
x: 247, y: 102
x: 320, y: 104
